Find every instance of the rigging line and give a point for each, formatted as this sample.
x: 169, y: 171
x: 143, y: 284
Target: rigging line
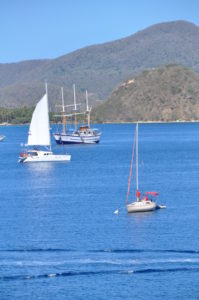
x: 127, y: 196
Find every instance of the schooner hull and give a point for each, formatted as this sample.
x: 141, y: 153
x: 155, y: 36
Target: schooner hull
x: 76, y: 139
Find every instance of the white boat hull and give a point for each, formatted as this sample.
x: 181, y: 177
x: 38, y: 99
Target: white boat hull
x: 43, y: 156
x: 75, y: 138
x: 141, y: 206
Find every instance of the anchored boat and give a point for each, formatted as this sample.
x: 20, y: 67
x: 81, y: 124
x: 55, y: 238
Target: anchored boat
x: 145, y: 202
x: 83, y: 134
x: 39, y: 136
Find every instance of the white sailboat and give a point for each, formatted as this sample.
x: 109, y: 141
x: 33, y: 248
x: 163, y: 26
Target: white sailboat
x: 39, y: 135
x: 145, y: 202
x: 82, y: 135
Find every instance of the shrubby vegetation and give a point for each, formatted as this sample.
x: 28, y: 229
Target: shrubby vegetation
x: 16, y: 115
x: 23, y: 115
x: 20, y: 115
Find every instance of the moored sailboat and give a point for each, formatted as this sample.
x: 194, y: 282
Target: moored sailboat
x: 82, y: 135
x: 145, y: 202
x: 39, y: 136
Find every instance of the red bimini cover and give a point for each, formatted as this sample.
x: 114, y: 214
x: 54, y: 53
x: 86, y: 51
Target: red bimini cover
x: 152, y: 193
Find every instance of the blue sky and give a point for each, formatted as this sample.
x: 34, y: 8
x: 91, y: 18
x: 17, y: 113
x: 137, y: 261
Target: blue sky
x: 34, y: 29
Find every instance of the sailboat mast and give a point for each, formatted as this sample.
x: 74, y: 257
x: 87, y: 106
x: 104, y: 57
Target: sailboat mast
x: 127, y: 196
x: 137, y: 161
x: 63, y: 111
x: 87, y: 109
x: 46, y: 86
x: 75, y: 105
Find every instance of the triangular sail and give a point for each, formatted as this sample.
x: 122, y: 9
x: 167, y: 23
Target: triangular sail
x: 39, y: 132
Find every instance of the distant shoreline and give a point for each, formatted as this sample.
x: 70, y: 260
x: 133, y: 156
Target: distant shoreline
x: 119, y: 123
x: 151, y: 122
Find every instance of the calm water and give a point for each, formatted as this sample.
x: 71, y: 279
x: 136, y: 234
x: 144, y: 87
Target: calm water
x: 60, y: 238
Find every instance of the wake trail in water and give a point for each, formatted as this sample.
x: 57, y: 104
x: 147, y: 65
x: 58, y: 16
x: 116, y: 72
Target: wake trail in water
x: 95, y: 273
x: 145, y: 251
x: 98, y: 262
x: 38, y: 250
x: 102, y: 250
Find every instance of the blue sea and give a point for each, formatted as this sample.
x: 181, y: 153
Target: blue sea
x: 60, y: 238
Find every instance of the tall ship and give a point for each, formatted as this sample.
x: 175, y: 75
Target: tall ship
x: 78, y: 135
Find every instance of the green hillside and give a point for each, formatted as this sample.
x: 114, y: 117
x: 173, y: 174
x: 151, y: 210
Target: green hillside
x: 168, y: 93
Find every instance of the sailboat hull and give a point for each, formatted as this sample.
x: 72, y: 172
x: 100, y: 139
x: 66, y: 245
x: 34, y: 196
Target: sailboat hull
x: 53, y: 158
x: 42, y: 156
x: 141, y: 206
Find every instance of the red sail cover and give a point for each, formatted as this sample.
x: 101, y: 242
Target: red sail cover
x: 152, y: 193
x: 138, y: 194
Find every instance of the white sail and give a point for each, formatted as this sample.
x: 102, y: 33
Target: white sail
x: 39, y: 132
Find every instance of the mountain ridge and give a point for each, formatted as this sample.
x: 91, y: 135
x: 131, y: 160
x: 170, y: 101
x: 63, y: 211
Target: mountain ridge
x: 100, y: 68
